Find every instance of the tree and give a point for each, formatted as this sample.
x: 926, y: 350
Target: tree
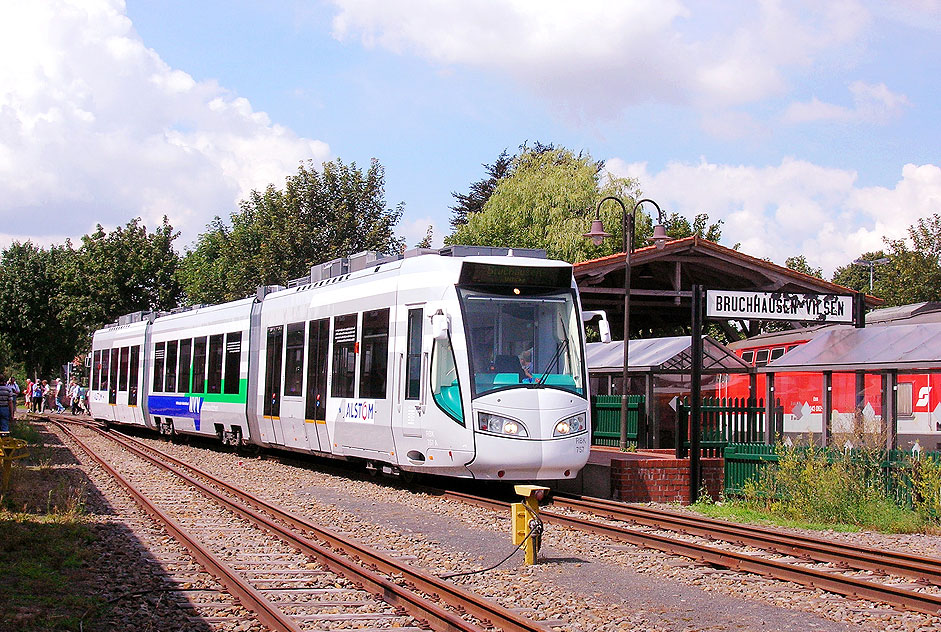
x: 480, y: 191
x: 33, y: 309
x: 678, y: 227
x: 856, y: 277
x: 548, y: 200
x: 800, y: 264
x: 426, y: 240
x: 278, y: 234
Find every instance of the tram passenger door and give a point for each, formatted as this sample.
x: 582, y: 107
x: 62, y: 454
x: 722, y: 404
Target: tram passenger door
x: 290, y: 426
x: 315, y: 412
x: 413, y: 364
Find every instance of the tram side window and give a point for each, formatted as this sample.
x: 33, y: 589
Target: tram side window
x: 344, y: 355
x: 748, y: 356
x: 374, y: 359
x: 125, y: 359
x: 761, y: 357
x: 134, y: 375
x: 96, y: 372
x: 216, y: 352
x: 183, y: 374
x: 274, y: 346
x: 169, y: 384
x: 160, y: 352
x: 294, y: 361
x: 199, y: 365
x: 233, y: 359
x: 776, y: 353
x: 318, y: 342
x: 413, y: 357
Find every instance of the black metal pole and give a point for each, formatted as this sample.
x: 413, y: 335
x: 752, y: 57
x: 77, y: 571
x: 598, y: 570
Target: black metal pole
x: 695, y: 395
x: 628, y: 236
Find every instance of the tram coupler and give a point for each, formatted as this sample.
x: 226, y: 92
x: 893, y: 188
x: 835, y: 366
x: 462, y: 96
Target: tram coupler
x: 527, y: 527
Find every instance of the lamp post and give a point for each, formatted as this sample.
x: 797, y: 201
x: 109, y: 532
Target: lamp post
x: 871, y: 264
x: 597, y: 235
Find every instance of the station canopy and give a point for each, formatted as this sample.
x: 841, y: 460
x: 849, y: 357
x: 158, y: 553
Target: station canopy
x: 847, y: 349
x: 661, y: 355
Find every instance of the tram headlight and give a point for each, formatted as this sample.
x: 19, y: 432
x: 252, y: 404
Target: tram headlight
x: 570, y: 425
x: 496, y: 424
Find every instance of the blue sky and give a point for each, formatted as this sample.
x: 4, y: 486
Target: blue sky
x: 808, y: 129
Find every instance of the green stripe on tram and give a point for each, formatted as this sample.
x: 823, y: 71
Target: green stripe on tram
x: 223, y: 398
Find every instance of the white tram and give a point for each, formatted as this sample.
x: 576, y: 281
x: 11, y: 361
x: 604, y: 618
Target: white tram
x: 419, y: 363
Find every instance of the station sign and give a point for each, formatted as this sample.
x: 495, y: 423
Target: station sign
x: 821, y: 308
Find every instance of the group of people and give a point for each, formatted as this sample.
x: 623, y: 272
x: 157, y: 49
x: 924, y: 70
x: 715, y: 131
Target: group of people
x: 40, y: 396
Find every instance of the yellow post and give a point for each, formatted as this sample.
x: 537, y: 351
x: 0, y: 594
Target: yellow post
x: 527, y: 527
x: 10, y: 450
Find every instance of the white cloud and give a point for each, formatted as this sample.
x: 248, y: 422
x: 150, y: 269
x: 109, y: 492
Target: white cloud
x: 96, y: 128
x: 598, y: 57
x: 793, y: 208
x: 872, y: 103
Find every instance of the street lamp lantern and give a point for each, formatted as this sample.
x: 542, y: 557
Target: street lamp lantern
x: 871, y: 264
x: 597, y: 235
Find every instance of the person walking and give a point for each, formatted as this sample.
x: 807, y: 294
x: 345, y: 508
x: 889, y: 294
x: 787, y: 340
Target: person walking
x: 7, y: 405
x: 74, y: 396
x: 37, y: 396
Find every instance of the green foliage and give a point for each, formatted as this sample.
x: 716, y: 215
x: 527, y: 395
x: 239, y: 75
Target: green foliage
x: 426, y: 240
x: 480, y: 191
x: 548, y: 202
x: 811, y: 485
x: 678, y: 227
x: 913, y: 272
x: 800, y: 264
x: 278, y: 234
x: 926, y: 487
x: 53, y: 298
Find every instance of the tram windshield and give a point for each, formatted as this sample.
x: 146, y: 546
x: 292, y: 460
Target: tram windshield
x: 530, y: 341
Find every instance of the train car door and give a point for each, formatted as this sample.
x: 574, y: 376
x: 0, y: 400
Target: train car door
x: 315, y: 401
x: 270, y: 423
x: 413, y: 363
x: 293, y: 433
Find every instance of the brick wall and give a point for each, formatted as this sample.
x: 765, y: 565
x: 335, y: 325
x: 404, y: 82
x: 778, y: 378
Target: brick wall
x: 661, y: 480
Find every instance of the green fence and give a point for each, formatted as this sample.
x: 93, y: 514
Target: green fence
x: 744, y: 462
x: 606, y: 419
x: 724, y: 421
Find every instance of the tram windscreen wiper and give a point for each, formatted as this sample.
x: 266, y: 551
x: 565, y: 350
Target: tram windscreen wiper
x: 560, y: 347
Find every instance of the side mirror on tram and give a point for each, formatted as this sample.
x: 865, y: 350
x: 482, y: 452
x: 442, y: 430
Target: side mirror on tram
x: 604, y: 327
x: 439, y: 326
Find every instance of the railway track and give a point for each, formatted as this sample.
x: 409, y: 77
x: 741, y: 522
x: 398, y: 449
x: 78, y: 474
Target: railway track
x: 891, y: 577
x: 263, y: 554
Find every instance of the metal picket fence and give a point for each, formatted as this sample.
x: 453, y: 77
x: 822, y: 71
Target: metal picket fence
x: 606, y: 419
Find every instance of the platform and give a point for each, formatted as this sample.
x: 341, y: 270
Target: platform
x: 642, y: 476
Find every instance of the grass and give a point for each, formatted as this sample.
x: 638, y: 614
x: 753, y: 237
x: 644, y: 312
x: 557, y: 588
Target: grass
x: 45, y: 552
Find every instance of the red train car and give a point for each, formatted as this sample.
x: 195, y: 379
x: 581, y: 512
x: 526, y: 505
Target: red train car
x: 919, y: 394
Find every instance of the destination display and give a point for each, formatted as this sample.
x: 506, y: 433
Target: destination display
x: 822, y: 308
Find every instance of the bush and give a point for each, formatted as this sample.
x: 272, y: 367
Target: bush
x: 817, y: 486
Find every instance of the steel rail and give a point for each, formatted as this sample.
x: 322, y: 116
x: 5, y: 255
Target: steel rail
x: 248, y: 596
x: 813, y: 578
x: 854, y: 556
x: 397, y: 595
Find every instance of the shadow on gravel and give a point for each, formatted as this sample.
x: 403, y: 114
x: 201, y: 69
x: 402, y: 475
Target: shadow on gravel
x: 66, y: 564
